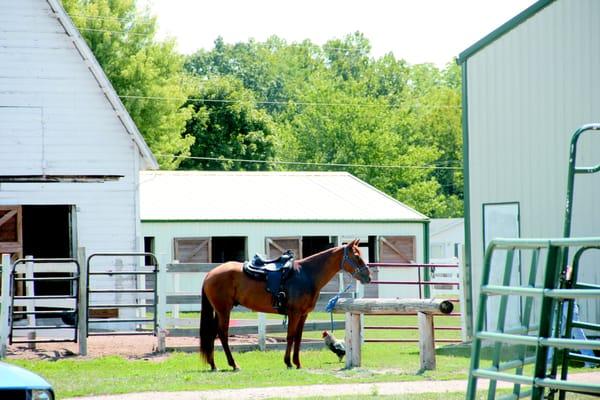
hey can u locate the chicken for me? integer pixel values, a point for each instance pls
(335, 345)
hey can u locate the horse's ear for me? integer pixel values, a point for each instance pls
(355, 242)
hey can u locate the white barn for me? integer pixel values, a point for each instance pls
(70, 154)
(212, 217)
(527, 87)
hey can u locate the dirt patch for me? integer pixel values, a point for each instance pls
(133, 347)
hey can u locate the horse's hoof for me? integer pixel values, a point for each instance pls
(236, 369)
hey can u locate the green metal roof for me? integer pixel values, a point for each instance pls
(504, 28)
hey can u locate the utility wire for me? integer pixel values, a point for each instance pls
(291, 102)
(312, 163)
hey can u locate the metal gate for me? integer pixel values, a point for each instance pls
(548, 343)
(530, 342)
(136, 297)
(60, 311)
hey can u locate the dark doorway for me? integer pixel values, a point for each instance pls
(228, 249)
(47, 234)
(315, 244)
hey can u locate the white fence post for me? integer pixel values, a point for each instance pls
(262, 331)
(4, 306)
(161, 302)
(83, 304)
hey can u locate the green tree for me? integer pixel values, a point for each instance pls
(228, 125)
(148, 75)
(336, 104)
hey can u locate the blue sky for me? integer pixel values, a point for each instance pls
(415, 30)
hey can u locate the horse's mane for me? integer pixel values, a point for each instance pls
(315, 258)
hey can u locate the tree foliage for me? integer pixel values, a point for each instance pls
(140, 69)
(395, 125)
(227, 125)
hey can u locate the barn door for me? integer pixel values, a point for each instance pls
(398, 249)
(11, 232)
(277, 246)
(192, 250)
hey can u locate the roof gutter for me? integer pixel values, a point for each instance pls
(503, 29)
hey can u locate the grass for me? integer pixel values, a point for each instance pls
(180, 371)
(381, 363)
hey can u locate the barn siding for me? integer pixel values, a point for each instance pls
(528, 91)
(55, 118)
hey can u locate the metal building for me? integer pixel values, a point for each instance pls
(527, 87)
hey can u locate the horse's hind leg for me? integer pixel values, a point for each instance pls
(293, 321)
(298, 340)
(223, 332)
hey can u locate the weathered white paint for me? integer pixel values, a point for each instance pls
(60, 115)
(528, 91)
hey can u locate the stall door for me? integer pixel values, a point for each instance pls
(276, 246)
(11, 233)
(192, 250)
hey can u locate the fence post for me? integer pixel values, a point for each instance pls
(426, 342)
(353, 340)
(262, 331)
(83, 303)
(161, 302)
(4, 306)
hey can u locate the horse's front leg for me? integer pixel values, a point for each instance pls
(298, 340)
(293, 322)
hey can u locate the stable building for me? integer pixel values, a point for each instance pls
(213, 217)
(70, 154)
(527, 87)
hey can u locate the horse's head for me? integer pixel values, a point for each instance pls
(354, 264)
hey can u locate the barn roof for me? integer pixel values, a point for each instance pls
(104, 83)
(503, 29)
(266, 196)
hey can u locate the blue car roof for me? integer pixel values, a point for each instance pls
(12, 376)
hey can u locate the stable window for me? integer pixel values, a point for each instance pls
(210, 249)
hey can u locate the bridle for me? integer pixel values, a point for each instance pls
(355, 267)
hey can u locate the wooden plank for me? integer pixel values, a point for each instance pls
(393, 306)
(191, 267)
(184, 299)
(48, 267)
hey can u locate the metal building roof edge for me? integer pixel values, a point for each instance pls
(503, 29)
(104, 82)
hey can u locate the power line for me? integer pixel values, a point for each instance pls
(108, 31)
(281, 102)
(312, 163)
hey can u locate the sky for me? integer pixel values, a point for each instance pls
(417, 31)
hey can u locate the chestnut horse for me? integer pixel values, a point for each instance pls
(227, 285)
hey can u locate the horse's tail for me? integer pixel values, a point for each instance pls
(208, 328)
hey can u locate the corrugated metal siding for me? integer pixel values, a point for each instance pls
(52, 102)
(527, 93)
